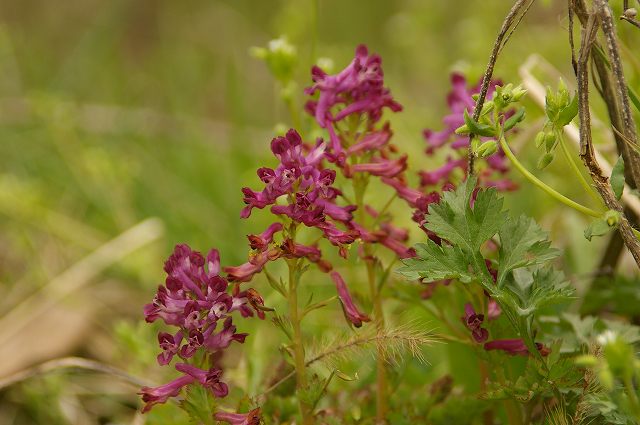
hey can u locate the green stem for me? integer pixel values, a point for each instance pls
(513, 412)
(298, 347)
(633, 397)
(587, 187)
(540, 184)
(382, 406)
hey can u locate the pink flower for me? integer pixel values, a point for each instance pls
(382, 167)
(261, 242)
(493, 310)
(170, 345)
(473, 322)
(158, 395)
(372, 141)
(251, 418)
(210, 379)
(441, 175)
(246, 271)
(350, 310)
(514, 347)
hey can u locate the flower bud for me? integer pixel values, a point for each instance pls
(487, 148)
(549, 140)
(539, 140)
(612, 218)
(545, 160)
(463, 129)
(280, 57)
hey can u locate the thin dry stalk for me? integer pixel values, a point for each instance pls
(77, 276)
(72, 363)
(619, 82)
(519, 8)
(586, 144)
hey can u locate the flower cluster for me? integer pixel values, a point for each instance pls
(307, 187)
(350, 105)
(196, 300)
(357, 89)
(300, 191)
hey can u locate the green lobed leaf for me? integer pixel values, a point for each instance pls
(454, 220)
(478, 128)
(434, 262)
(598, 227)
(522, 244)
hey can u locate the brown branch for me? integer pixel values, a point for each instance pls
(628, 123)
(509, 20)
(586, 144)
(603, 82)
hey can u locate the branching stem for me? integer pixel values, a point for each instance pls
(542, 185)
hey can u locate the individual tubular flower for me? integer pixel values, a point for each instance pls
(158, 395)
(209, 379)
(261, 242)
(246, 271)
(515, 347)
(253, 417)
(473, 322)
(351, 312)
(382, 167)
(194, 299)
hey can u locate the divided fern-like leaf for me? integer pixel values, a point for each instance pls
(522, 243)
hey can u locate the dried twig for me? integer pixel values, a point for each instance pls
(503, 37)
(77, 276)
(586, 145)
(72, 363)
(628, 123)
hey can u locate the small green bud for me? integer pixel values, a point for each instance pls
(280, 56)
(487, 107)
(549, 140)
(539, 140)
(612, 218)
(487, 148)
(545, 160)
(518, 93)
(563, 94)
(463, 129)
(475, 144)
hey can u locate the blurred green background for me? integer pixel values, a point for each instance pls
(113, 113)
